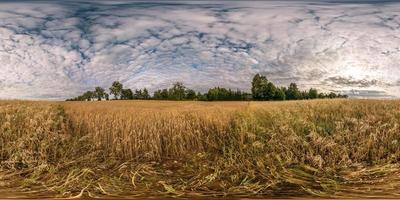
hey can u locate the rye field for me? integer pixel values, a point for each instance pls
(316, 148)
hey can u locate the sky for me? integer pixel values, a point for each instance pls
(59, 49)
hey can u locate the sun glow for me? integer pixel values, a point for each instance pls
(355, 72)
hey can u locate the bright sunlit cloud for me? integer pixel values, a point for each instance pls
(58, 49)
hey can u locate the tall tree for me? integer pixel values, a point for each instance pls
(138, 94)
(312, 93)
(88, 95)
(164, 94)
(116, 89)
(332, 95)
(269, 91)
(258, 87)
(190, 94)
(280, 94)
(145, 94)
(99, 93)
(126, 94)
(177, 92)
(293, 93)
(157, 95)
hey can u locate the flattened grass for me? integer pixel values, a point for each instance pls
(324, 148)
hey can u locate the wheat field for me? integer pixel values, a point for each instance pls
(319, 148)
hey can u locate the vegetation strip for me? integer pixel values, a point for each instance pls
(261, 90)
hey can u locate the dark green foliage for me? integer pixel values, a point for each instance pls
(141, 94)
(177, 92)
(116, 89)
(88, 96)
(145, 94)
(138, 94)
(262, 90)
(126, 94)
(293, 93)
(280, 94)
(190, 94)
(312, 93)
(99, 93)
(201, 97)
(270, 91)
(219, 94)
(259, 86)
(332, 95)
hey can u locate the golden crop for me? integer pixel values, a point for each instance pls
(322, 147)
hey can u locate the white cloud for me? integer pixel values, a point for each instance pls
(58, 50)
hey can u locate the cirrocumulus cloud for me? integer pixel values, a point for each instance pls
(58, 49)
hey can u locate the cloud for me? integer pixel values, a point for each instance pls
(367, 94)
(59, 49)
(343, 81)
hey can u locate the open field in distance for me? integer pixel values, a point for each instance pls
(320, 148)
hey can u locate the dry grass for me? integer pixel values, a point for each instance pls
(323, 148)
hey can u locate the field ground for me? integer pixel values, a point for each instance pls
(321, 148)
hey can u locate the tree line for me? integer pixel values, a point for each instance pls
(262, 90)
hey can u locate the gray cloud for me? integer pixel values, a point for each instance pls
(366, 94)
(59, 49)
(343, 81)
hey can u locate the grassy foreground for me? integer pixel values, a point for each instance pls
(328, 148)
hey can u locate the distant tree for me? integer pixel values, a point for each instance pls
(217, 93)
(312, 93)
(303, 95)
(269, 91)
(116, 89)
(164, 94)
(126, 94)
(138, 94)
(293, 93)
(145, 94)
(157, 95)
(190, 94)
(99, 93)
(280, 94)
(88, 95)
(321, 96)
(201, 97)
(223, 94)
(332, 95)
(261, 89)
(177, 92)
(258, 87)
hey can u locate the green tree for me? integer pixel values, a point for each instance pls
(145, 94)
(116, 89)
(280, 94)
(293, 93)
(88, 95)
(190, 94)
(177, 92)
(164, 94)
(127, 94)
(258, 87)
(269, 91)
(201, 97)
(313, 93)
(157, 95)
(138, 94)
(332, 95)
(99, 93)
